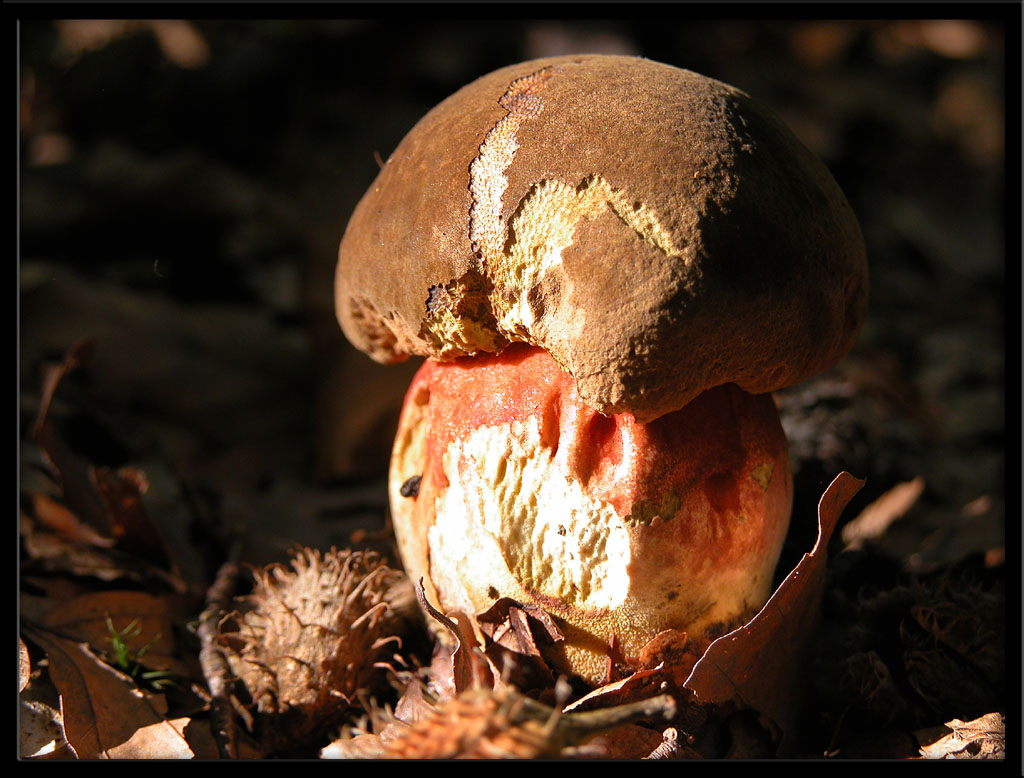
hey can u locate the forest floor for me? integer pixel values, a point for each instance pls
(187, 398)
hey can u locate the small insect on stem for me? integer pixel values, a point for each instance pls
(670, 747)
(411, 486)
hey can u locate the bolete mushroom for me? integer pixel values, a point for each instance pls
(609, 263)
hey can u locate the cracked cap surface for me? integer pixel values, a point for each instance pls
(654, 230)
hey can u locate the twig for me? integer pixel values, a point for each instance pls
(211, 658)
(585, 722)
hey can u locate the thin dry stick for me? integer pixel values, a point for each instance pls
(211, 658)
(587, 722)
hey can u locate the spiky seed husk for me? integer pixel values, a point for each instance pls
(308, 638)
(477, 724)
(493, 724)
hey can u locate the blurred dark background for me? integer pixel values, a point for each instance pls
(184, 186)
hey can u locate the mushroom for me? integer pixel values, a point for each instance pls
(609, 264)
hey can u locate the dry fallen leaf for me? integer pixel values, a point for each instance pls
(41, 732)
(105, 716)
(85, 618)
(24, 665)
(758, 664)
(58, 518)
(513, 630)
(465, 667)
(70, 470)
(98, 525)
(143, 622)
(638, 686)
(982, 738)
(121, 491)
(873, 521)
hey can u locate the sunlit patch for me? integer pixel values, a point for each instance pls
(509, 508)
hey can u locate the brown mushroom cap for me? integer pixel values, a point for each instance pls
(654, 230)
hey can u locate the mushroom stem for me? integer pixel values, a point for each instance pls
(618, 529)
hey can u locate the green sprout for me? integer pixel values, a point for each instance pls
(128, 661)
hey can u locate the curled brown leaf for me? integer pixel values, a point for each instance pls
(758, 664)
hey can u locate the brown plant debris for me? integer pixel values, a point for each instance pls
(982, 738)
(904, 651)
(212, 660)
(756, 665)
(83, 518)
(104, 714)
(306, 643)
(512, 631)
(495, 724)
(873, 521)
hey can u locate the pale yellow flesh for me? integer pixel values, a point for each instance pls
(512, 524)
